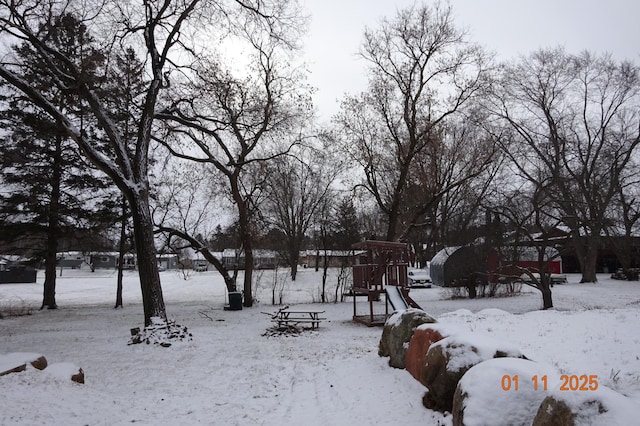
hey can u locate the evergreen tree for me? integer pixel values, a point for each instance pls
(48, 180)
(348, 227)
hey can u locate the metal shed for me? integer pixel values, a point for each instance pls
(469, 266)
(458, 266)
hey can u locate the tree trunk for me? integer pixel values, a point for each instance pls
(393, 210)
(587, 252)
(293, 260)
(248, 272)
(589, 270)
(121, 249)
(547, 302)
(325, 260)
(473, 291)
(49, 296)
(292, 250)
(152, 299)
(53, 230)
(325, 267)
(246, 239)
(392, 225)
(545, 287)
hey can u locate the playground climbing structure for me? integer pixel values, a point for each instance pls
(377, 266)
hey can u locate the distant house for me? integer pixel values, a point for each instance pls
(104, 260)
(130, 261)
(197, 262)
(200, 265)
(262, 259)
(109, 260)
(168, 261)
(96, 260)
(334, 258)
(527, 257)
(72, 259)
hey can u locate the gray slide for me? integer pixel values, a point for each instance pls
(395, 298)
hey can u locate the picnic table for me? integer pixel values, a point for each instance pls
(286, 317)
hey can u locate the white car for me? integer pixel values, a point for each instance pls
(419, 278)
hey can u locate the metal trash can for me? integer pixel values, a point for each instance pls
(235, 301)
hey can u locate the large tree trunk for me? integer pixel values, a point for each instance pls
(545, 289)
(589, 268)
(392, 223)
(246, 239)
(247, 244)
(294, 256)
(49, 295)
(587, 253)
(53, 230)
(121, 249)
(325, 268)
(152, 299)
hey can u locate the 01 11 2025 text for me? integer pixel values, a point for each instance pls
(568, 382)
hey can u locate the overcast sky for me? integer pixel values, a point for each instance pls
(507, 27)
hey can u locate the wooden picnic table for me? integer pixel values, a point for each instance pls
(285, 316)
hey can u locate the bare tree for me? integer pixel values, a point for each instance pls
(625, 214)
(575, 125)
(528, 214)
(298, 184)
(448, 183)
(186, 206)
(236, 122)
(164, 32)
(324, 229)
(126, 167)
(421, 72)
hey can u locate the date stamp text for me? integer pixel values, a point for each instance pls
(568, 382)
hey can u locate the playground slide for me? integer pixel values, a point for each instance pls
(395, 298)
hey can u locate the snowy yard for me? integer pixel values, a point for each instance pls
(230, 374)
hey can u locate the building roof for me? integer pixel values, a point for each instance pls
(256, 253)
(372, 244)
(441, 257)
(332, 253)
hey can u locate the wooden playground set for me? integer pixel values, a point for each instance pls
(380, 268)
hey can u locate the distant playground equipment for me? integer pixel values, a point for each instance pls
(380, 270)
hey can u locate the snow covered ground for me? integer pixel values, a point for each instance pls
(230, 374)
